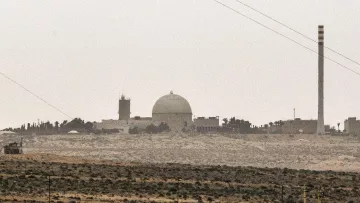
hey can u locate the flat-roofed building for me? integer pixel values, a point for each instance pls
(352, 126)
(300, 126)
(210, 124)
(124, 125)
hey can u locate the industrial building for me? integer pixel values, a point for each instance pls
(312, 126)
(202, 124)
(300, 126)
(174, 110)
(123, 125)
(125, 122)
(352, 126)
(124, 108)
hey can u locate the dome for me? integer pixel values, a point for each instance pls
(172, 104)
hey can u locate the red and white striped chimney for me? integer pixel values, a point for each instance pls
(320, 121)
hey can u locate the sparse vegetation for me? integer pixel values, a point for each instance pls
(155, 183)
(47, 128)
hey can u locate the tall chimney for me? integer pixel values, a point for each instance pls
(320, 121)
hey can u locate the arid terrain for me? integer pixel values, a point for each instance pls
(181, 168)
(297, 152)
(26, 178)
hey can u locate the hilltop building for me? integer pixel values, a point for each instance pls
(174, 110)
(298, 125)
(301, 126)
(352, 126)
(202, 124)
(123, 125)
(124, 108)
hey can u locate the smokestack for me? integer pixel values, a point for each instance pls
(320, 121)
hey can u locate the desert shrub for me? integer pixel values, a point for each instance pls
(152, 129)
(31, 177)
(134, 130)
(173, 190)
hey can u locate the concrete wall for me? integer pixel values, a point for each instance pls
(274, 129)
(294, 126)
(203, 124)
(122, 125)
(352, 126)
(174, 121)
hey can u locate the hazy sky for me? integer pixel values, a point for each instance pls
(80, 55)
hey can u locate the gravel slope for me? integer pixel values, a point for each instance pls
(298, 152)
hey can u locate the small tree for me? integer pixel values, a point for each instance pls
(56, 125)
(281, 123)
(134, 130)
(151, 129)
(225, 122)
(163, 127)
(89, 126)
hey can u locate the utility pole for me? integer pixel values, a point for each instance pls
(294, 114)
(304, 193)
(49, 190)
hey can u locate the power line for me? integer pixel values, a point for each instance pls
(43, 100)
(298, 32)
(236, 11)
(282, 35)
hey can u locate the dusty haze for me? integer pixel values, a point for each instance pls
(79, 55)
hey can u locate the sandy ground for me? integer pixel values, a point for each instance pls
(298, 152)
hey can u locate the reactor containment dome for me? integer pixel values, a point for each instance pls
(174, 110)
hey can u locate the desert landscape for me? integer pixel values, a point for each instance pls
(181, 168)
(339, 153)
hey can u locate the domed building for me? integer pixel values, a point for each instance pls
(174, 110)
